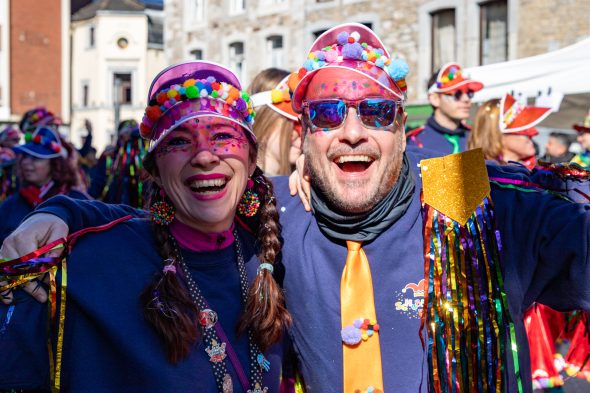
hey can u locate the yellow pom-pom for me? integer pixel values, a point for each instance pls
(276, 96)
(311, 56)
(172, 93)
(365, 336)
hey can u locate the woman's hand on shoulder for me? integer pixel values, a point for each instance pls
(299, 183)
(33, 233)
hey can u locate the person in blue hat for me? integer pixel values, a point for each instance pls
(44, 171)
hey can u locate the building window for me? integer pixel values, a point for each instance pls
(197, 54)
(443, 38)
(123, 91)
(274, 47)
(85, 94)
(236, 59)
(318, 33)
(195, 10)
(237, 6)
(493, 41)
(368, 24)
(91, 38)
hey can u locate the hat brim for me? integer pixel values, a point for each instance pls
(178, 73)
(360, 67)
(580, 128)
(202, 113)
(530, 132)
(465, 84)
(36, 150)
(529, 117)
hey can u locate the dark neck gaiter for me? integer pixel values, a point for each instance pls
(366, 226)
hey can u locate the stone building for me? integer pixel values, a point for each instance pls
(250, 35)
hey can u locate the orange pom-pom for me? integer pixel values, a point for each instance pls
(350, 40)
(301, 73)
(189, 82)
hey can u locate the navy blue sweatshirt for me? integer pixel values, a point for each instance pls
(432, 137)
(15, 208)
(545, 253)
(108, 346)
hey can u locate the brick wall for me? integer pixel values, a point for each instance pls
(35, 55)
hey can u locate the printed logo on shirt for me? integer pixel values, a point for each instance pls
(410, 300)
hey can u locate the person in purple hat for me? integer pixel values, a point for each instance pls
(185, 301)
(44, 171)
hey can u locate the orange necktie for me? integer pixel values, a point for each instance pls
(361, 361)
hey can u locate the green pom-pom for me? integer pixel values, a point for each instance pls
(192, 92)
(364, 45)
(245, 96)
(214, 94)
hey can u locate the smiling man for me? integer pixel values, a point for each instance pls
(449, 93)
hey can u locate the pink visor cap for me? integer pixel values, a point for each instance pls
(191, 90)
(355, 47)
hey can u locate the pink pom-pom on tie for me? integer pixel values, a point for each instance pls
(169, 268)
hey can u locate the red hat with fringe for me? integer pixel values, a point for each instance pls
(519, 119)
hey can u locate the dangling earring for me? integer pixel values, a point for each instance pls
(250, 202)
(162, 212)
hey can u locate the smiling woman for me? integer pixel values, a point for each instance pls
(210, 314)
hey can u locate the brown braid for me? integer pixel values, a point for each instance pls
(265, 313)
(168, 306)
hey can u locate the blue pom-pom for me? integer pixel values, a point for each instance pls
(352, 51)
(315, 65)
(182, 91)
(210, 79)
(380, 51)
(321, 64)
(208, 87)
(308, 65)
(172, 101)
(321, 55)
(365, 56)
(200, 85)
(351, 335)
(379, 63)
(398, 69)
(342, 37)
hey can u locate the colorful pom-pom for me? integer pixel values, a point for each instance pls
(355, 35)
(342, 37)
(352, 51)
(276, 96)
(351, 335)
(161, 98)
(398, 69)
(192, 92)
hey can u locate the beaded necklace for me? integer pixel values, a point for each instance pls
(218, 346)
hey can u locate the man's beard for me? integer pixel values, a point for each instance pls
(375, 188)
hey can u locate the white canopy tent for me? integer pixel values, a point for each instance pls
(565, 71)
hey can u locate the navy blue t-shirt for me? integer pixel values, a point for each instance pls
(108, 345)
(545, 254)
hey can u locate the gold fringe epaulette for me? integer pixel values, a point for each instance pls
(456, 184)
